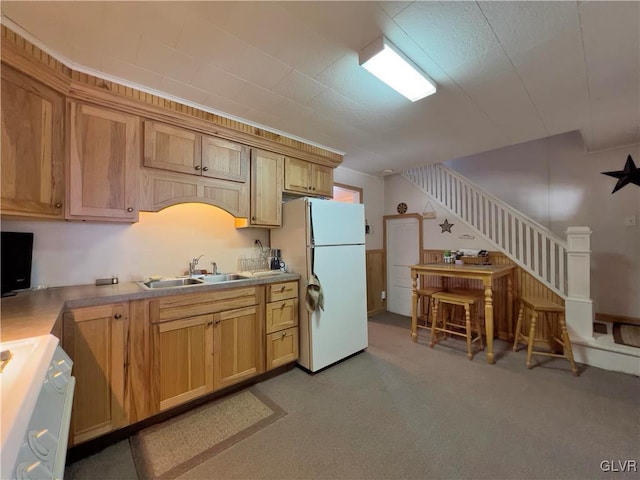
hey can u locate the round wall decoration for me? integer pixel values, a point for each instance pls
(402, 208)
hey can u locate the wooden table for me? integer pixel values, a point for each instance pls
(486, 273)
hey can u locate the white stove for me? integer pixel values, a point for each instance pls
(36, 389)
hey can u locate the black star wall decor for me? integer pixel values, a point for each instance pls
(446, 226)
(630, 174)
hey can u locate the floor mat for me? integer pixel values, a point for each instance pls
(168, 449)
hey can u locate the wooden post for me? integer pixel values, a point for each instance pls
(579, 305)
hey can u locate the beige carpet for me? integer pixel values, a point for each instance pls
(625, 334)
(171, 448)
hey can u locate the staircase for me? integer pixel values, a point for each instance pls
(530, 245)
(561, 265)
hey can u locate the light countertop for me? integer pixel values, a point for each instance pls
(35, 313)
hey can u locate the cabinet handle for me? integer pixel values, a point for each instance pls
(313, 188)
(58, 205)
(210, 323)
(284, 334)
(283, 305)
(283, 289)
(205, 169)
(217, 322)
(253, 218)
(117, 316)
(197, 167)
(129, 209)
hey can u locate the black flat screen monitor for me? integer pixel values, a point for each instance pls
(17, 250)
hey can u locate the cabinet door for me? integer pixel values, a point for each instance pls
(94, 338)
(282, 348)
(182, 361)
(171, 148)
(296, 175)
(225, 160)
(281, 315)
(238, 347)
(32, 147)
(103, 164)
(321, 180)
(266, 188)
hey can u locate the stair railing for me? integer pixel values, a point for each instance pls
(530, 245)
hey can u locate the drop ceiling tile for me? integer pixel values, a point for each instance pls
(183, 91)
(217, 81)
(449, 32)
(494, 85)
(257, 98)
(334, 105)
(348, 78)
(211, 44)
(298, 87)
(155, 21)
(350, 24)
(521, 26)
(130, 72)
(291, 111)
(166, 61)
(394, 8)
(259, 68)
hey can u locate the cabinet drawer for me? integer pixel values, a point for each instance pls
(282, 291)
(189, 305)
(281, 315)
(282, 347)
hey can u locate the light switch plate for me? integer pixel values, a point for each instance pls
(629, 220)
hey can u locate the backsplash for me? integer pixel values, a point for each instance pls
(162, 243)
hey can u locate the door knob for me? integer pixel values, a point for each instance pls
(129, 209)
(117, 316)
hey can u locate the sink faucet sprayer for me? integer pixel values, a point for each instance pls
(193, 263)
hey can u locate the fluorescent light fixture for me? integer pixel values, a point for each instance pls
(385, 61)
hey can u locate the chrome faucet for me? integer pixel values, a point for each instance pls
(192, 265)
(214, 268)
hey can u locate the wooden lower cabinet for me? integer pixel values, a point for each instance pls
(95, 339)
(281, 320)
(238, 351)
(282, 347)
(182, 360)
(204, 342)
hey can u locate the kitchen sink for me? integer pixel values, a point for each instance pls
(172, 282)
(222, 277)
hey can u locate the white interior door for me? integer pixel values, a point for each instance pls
(403, 238)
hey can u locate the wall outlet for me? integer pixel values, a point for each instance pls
(630, 221)
(383, 295)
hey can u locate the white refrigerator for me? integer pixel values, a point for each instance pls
(327, 238)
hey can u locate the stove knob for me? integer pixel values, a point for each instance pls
(57, 380)
(33, 471)
(42, 443)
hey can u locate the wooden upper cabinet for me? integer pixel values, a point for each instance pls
(185, 151)
(32, 182)
(104, 160)
(266, 188)
(307, 178)
(224, 160)
(171, 148)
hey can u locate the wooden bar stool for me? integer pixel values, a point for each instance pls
(425, 306)
(542, 306)
(470, 302)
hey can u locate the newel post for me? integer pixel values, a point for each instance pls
(578, 305)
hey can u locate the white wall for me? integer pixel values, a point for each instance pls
(162, 243)
(373, 196)
(400, 190)
(559, 185)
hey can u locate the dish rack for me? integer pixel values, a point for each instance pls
(253, 265)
